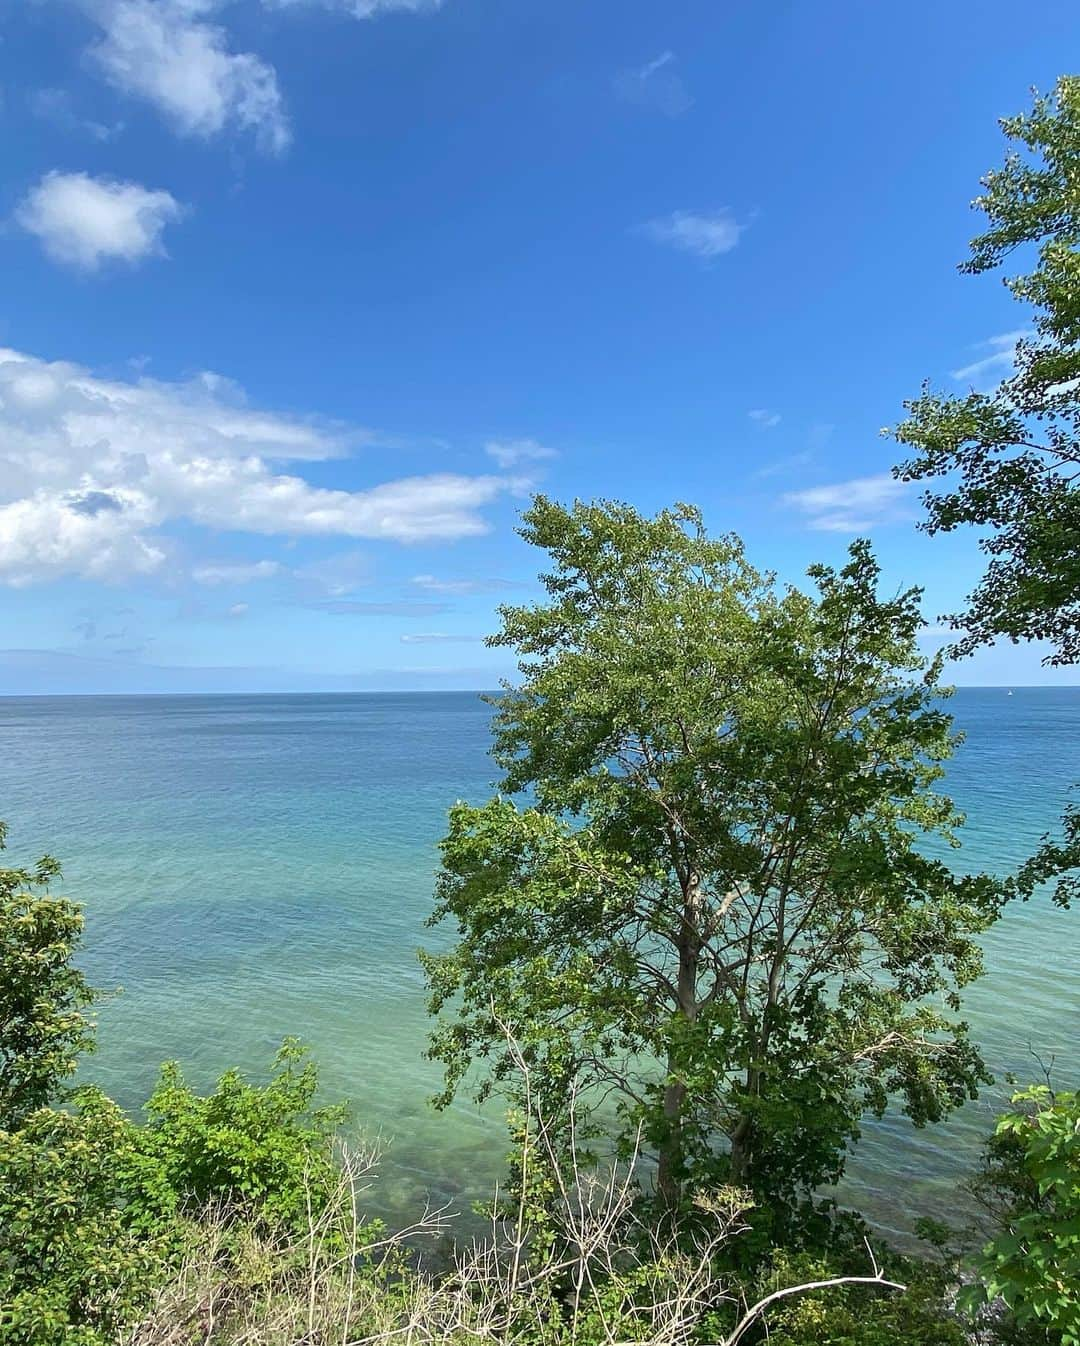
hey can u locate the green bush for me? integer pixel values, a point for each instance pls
(96, 1211)
(859, 1315)
(88, 1225)
(42, 1027)
(263, 1152)
(1033, 1176)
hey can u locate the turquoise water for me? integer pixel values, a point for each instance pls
(257, 866)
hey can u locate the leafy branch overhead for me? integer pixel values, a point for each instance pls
(1008, 461)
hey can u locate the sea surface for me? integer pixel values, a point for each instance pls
(256, 866)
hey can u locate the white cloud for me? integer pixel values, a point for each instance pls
(173, 54)
(708, 234)
(235, 573)
(93, 472)
(45, 536)
(767, 420)
(654, 85)
(84, 221)
(511, 452)
(852, 506)
(238, 610)
(169, 53)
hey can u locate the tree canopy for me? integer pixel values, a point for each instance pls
(707, 901)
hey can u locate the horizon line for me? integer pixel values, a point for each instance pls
(443, 691)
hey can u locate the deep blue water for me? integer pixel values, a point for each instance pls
(253, 866)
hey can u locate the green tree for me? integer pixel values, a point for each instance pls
(1008, 461)
(709, 903)
(43, 1026)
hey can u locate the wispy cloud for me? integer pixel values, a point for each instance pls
(337, 575)
(62, 671)
(433, 584)
(83, 221)
(998, 362)
(236, 572)
(169, 53)
(342, 607)
(817, 437)
(440, 638)
(788, 464)
(56, 106)
(939, 632)
(854, 506)
(511, 452)
(764, 419)
(707, 234)
(360, 9)
(820, 434)
(654, 85)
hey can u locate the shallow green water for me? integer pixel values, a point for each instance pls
(256, 866)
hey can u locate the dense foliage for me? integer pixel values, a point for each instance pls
(262, 1152)
(1033, 1179)
(43, 1027)
(845, 1315)
(87, 1225)
(709, 903)
(97, 1210)
(1008, 461)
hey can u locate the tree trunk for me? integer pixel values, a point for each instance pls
(688, 944)
(741, 1142)
(670, 1157)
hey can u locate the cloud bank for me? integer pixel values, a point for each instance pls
(96, 475)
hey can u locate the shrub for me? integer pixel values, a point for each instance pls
(87, 1225)
(260, 1152)
(42, 997)
(855, 1315)
(1033, 1173)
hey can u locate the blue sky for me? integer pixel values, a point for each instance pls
(303, 297)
